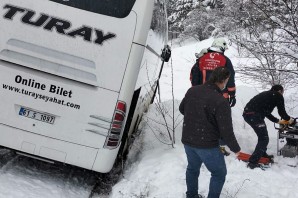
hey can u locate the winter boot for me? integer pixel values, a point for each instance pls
(270, 157)
(253, 165)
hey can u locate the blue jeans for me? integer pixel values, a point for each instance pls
(214, 162)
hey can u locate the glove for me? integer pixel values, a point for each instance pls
(289, 122)
(284, 122)
(232, 100)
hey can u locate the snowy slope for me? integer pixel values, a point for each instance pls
(157, 170)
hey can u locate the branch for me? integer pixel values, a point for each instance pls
(280, 70)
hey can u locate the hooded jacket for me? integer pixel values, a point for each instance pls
(207, 118)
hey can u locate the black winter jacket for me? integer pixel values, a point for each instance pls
(207, 118)
(265, 102)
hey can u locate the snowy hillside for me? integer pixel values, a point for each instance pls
(156, 170)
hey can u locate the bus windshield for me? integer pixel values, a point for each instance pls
(114, 8)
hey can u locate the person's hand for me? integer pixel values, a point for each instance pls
(284, 122)
(232, 100)
(238, 153)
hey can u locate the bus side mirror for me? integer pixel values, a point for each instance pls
(166, 53)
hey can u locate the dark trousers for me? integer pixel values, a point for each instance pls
(256, 121)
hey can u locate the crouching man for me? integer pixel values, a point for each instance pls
(254, 114)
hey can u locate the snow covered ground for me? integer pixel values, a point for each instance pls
(22, 177)
(155, 169)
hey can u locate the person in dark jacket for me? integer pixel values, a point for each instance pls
(256, 110)
(207, 118)
(207, 61)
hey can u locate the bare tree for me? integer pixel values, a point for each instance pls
(178, 11)
(165, 121)
(281, 15)
(265, 38)
(266, 65)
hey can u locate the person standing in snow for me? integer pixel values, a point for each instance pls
(198, 56)
(207, 118)
(208, 60)
(254, 113)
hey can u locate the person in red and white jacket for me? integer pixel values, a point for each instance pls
(207, 62)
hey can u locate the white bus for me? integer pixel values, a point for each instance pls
(77, 75)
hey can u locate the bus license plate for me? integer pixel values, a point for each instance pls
(37, 115)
